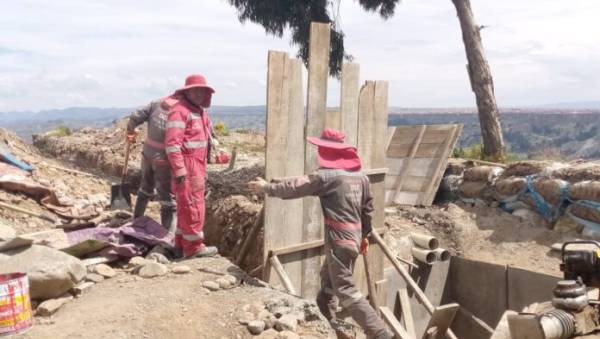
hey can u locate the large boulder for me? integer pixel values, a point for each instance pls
(51, 272)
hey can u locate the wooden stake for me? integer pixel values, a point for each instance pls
(282, 275)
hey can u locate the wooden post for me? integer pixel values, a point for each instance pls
(316, 105)
(370, 284)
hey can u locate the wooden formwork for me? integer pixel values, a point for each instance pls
(294, 229)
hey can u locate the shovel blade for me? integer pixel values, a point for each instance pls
(120, 197)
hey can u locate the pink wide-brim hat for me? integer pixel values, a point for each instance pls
(334, 153)
(195, 80)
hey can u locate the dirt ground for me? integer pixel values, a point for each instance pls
(172, 306)
(483, 233)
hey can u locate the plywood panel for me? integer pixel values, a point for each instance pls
(318, 72)
(414, 152)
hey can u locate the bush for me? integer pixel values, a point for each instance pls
(476, 152)
(60, 131)
(221, 129)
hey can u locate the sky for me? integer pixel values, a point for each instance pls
(124, 53)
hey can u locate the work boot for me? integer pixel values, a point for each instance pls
(140, 205)
(168, 218)
(205, 252)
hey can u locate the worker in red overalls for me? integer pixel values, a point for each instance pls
(187, 138)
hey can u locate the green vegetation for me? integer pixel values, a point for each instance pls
(221, 129)
(476, 152)
(60, 131)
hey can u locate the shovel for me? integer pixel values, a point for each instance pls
(120, 194)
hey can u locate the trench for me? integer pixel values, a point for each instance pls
(483, 290)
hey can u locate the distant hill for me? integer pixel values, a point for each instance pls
(566, 131)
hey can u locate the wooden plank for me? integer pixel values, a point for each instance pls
(390, 319)
(375, 171)
(413, 150)
(276, 141)
(407, 316)
(419, 294)
(298, 247)
(349, 101)
(294, 167)
(370, 283)
(381, 291)
(333, 119)
(441, 166)
(316, 105)
(424, 151)
(412, 183)
(365, 123)
(440, 321)
(437, 136)
(276, 264)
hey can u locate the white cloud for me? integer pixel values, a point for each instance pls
(64, 53)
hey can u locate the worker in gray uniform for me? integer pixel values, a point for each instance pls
(156, 172)
(347, 206)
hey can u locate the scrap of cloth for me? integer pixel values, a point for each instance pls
(15, 180)
(132, 239)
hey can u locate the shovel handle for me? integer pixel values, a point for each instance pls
(125, 167)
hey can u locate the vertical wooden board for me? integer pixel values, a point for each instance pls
(333, 119)
(365, 123)
(349, 101)
(448, 146)
(277, 119)
(316, 105)
(399, 184)
(365, 146)
(379, 142)
(294, 160)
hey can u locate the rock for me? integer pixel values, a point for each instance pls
(288, 335)
(51, 272)
(211, 285)
(288, 322)
(137, 261)
(269, 334)
(49, 307)
(233, 280)
(105, 270)
(158, 257)
(6, 232)
(223, 283)
(94, 277)
(256, 327)
(82, 287)
(267, 317)
(245, 318)
(182, 269)
(280, 311)
(152, 269)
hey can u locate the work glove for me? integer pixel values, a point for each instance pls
(130, 136)
(258, 185)
(364, 245)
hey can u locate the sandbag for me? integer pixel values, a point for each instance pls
(473, 189)
(566, 224)
(585, 190)
(525, 168)
(509, 187)
(585, 213)
(482, 173)
(579, 172)
(552, 190)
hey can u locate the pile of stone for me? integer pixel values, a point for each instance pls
(278, 318)
(564, 196)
